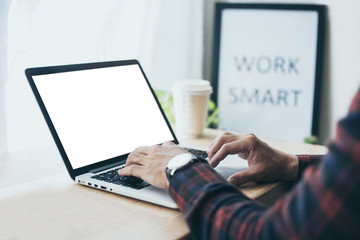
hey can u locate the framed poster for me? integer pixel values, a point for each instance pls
(267, 68)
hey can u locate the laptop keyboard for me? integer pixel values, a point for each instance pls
(197, 152)
(128, 181)
(134, 182)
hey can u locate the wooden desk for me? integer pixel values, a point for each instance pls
(46, 204)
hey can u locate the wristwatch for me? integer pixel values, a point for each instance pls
(180, 161)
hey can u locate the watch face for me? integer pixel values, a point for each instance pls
(179, 161)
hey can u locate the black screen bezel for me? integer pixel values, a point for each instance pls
(30, 72)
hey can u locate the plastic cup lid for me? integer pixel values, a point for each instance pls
(193, 86)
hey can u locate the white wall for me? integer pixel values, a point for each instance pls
(43, 33)
(341, 77)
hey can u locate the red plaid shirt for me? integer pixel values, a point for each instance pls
(325, 203)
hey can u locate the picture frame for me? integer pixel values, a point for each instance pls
(267, 68)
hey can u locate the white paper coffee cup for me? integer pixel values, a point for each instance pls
(191, 99)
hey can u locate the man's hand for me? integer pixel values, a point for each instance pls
(149, 163)
(266, 164)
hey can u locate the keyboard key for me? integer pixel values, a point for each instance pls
(127, 181)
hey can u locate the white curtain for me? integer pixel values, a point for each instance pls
(4, 10)
(165, 35)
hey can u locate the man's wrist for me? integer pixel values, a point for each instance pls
(292, 168)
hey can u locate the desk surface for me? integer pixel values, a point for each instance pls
(46, 204)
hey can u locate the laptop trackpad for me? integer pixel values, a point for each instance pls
(230, 165)
(227, 172)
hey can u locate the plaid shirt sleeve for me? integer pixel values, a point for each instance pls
(323, 205)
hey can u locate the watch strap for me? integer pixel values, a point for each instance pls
(170, 174)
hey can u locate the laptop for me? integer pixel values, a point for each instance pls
(97, 114)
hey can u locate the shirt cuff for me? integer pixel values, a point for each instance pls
(194, 182)
(305, 161)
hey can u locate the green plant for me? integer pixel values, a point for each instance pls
(213, 119)
(166, 101)
(311, 140)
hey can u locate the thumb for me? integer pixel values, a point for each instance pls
(244, 176)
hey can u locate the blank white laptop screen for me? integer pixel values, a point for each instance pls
(102, 113)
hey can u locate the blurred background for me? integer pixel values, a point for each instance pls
(172, 39)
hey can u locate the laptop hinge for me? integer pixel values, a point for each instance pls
(96, 170)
